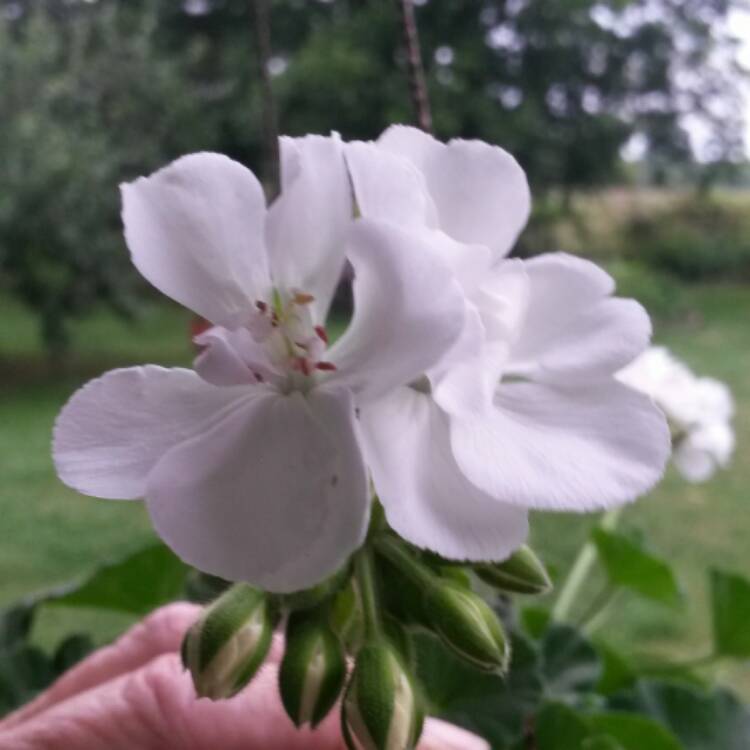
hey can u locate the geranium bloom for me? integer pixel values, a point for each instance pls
(525, 411)
(250, 466)
(699, 409)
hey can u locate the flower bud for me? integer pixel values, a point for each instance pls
(467, 626)
(522, 573)
(312, 671)
(381, 708)
(225, 647)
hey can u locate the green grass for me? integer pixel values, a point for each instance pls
(50, 534)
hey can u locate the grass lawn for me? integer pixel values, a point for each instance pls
(50, 534)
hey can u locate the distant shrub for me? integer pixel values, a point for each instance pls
(695, 239)
(662, 295)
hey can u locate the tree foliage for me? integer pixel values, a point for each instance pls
(96, 92)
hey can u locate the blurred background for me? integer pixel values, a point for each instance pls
(629, 117)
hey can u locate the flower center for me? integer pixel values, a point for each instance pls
(285, 327)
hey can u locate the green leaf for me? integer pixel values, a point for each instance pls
(137, 584)
(629, 565)
(489, 705)
(730, 604)
(634, 732)
(616, 674)
(601, 742)
(535, 620)
(71, 650)
(701, 719)
(24, 671)
(559, 727)
(15, 624)
(570, 664)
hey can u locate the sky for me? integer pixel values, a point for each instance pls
(739, 23)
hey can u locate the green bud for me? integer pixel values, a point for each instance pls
(225, 647)
(522, 573)
(467, 626)
(312, 671)
(381, 709)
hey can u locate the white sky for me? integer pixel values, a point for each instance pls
(739, 24)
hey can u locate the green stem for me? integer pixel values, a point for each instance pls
(581, 569)
(364, 571)
(598, 614)
(391, 549)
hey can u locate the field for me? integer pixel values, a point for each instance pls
(49, 534)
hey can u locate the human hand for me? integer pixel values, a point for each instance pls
(135, 694)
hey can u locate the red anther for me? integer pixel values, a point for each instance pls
(322, 335)
(262, 306)
(328, 366)
(300, 298)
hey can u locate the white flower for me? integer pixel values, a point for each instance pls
(525, 411)
(250, 467)
(700, 410)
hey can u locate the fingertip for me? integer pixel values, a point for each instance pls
(440, 735)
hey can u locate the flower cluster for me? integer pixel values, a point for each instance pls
(467, 389)
(699, 410)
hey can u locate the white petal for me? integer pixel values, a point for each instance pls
(195, 231)
(426, 497)
(307, 223)
(693, 462)
(414, 144)
(572, 327)
(231, 357)
(502, 299)
(465, 379)
(276, 494)
(115, 429)
(469, 264)
(703, 450)
(558, 448)
(389, 187)
(480, 192)
(408, 310)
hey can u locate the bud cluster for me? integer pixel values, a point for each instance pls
(367, 611)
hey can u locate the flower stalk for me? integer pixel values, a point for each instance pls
(364, 571)
(581, 569)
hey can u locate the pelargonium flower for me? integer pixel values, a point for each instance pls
(250, 465)
(699, 410)
(525, 411)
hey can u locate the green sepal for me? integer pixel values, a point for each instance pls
(309, 639)
(224, 617)
(218, 669)
(381, 691)
(468, 626)
(522, 573)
